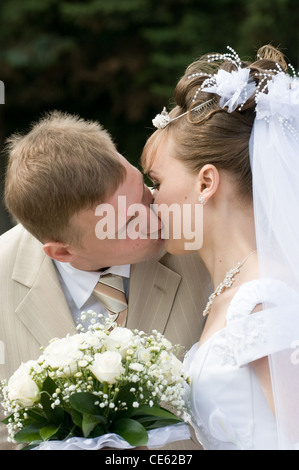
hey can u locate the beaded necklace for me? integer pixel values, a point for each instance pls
(225, 284)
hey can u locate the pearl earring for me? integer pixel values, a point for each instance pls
(202, 200)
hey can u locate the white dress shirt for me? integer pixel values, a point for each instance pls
(78, 287)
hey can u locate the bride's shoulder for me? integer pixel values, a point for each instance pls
(257, 292)
(268, 289)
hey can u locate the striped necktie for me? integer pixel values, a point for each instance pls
(110, 291)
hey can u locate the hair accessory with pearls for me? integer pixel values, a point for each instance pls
(162, 120)
(234, 88)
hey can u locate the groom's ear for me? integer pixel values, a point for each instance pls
(58, 251)
(208, 181)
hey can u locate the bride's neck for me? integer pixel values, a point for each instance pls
(229, 242)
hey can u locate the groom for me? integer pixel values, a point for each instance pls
(50, 263)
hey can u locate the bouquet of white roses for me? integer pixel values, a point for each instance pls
(102, 381)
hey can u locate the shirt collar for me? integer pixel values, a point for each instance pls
(81, 284)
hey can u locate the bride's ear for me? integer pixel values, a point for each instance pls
(58, 251)
(208, 182)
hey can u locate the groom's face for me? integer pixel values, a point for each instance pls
(124, 230)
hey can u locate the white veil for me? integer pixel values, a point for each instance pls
(274, 154)
(274, 158)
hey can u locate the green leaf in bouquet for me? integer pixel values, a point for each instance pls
(48, 431)
(29, 433)
(84, 402)
(160, 423)
(89, 423)
(54, 415)
(99, 430)
(124, 396)
(76, 418)
(36, 417)
(32, 445)
(154, 417)
(8, 419)
(156, 412)
(49, 386)
(132, 431)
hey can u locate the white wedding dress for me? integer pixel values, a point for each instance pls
(228, 408)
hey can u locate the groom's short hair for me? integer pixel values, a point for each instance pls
(63, 165)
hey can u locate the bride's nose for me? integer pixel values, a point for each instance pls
(147, 196)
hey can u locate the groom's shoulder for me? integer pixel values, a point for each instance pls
(11, 240)
(11, 237)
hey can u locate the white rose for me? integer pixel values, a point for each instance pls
(170, 364)
(119, 340)
(176, 366)
(64, 354)
(107, 366)
(21, 386)
(144, 355)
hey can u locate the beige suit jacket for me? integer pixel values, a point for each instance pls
(167, 295)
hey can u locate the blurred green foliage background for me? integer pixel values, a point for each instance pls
(117, 61)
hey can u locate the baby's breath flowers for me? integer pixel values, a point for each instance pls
(104, 379)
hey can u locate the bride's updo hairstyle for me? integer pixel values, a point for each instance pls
(212, 135)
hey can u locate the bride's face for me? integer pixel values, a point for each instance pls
(176, 200)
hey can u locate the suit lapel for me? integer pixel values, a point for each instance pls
(153, 288)
(43, 310)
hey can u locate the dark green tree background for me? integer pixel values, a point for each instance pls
(117, 61)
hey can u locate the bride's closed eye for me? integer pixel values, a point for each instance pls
(156, 185)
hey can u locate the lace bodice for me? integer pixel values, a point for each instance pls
(227, 404)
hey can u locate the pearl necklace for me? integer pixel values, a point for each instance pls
(225, 284)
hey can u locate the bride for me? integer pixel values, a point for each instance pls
(231, 144)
